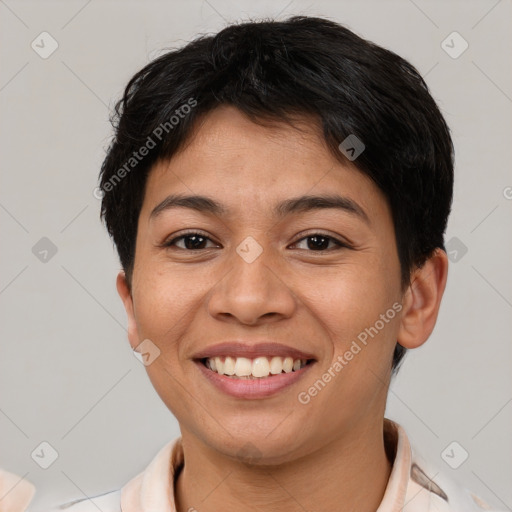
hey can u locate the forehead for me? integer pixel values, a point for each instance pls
(252, 167)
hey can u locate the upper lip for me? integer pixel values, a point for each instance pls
(239, 349)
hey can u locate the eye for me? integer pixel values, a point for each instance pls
(319, 242)
(196, 241)
(192, 240)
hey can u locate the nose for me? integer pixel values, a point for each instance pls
(252, 292)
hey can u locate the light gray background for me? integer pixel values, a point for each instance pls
(67, 374)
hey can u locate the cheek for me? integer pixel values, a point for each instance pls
(351, 299)
(164, 301)
(356, 311)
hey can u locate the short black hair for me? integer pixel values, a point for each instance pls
(281, 70)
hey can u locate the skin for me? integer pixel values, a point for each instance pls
(325, 455)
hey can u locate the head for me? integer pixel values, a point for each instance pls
(252, 119)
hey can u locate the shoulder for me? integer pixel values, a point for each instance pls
(107, 502)
(418, 484)
(139, 493)
(16, 492)
(430, 488)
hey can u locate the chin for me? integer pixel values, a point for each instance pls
(259, 449)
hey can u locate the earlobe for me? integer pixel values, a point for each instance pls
(126, 296)
(422, 301)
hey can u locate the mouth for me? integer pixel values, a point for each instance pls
(262, 367)
(256, 378)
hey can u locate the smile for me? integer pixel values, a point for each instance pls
(250, 379)
(257, 368)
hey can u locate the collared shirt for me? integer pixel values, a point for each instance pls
(413, 485)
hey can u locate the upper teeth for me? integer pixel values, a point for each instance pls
(259, 367)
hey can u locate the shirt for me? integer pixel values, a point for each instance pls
(413, 486)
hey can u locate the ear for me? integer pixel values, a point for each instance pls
(126, 296)
(422, 300)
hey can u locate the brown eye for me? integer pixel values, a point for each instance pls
(320, 242)
(191, 241)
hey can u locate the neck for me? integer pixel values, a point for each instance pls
(349, 473)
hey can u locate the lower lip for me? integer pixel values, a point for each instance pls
(253, 388)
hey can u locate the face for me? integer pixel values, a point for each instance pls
(313, 279)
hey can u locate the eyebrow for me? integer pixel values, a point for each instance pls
(301, 204)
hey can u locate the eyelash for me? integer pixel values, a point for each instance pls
(170, 244)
